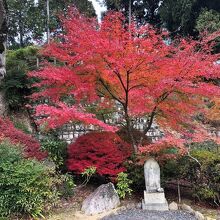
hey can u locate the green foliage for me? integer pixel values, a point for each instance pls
(57, 151)
(28, 20)
(208, 20)
(16, 84)
(206, 177)
(27, 187)
(123, 185)
(138, 9)
(201, 169)
(135, 172)
(87, 174)
(180, 16)
(207, 145)
(66, 185)
(20, 125)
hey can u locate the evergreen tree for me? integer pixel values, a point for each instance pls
(28, 19)
(143, 10)
(180, 16)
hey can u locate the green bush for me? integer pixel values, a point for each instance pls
(135, 171)
(57, 151)
(66, 185)
(206, 177)
(123, 185)
(27, 187)
(201, 170)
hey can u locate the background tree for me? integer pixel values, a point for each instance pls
(180, 16)
(21, 21)
(16, 85)
(28, 19)
(143, 11)
(208, 20)
(146, 77)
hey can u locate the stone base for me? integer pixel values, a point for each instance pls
(154, 201)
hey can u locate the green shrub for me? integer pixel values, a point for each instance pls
(123, 185)
(20, 125)
(201, 170)
(57, 151)
(135, 171)
(206, 177)
(27, 187)
(67, 185)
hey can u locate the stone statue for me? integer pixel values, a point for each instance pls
(152, 176)
(154, 198)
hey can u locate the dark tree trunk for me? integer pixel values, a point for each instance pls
(3, 37)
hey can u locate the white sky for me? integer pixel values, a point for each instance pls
(98, 8)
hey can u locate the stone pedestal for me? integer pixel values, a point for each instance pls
(154, 201)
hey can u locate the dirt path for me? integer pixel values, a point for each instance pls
(77, 215)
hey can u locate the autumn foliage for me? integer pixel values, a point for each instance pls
(103, 150)
(133, 66)
(30, 146)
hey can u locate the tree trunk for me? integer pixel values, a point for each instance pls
(21, 29)
(129, 13)
(48, 21)
(3, 37)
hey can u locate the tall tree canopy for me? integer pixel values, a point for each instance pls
(179, 16)
(143, 10)
(28, 19)
(131, 66)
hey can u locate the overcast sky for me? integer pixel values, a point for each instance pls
(98, 8)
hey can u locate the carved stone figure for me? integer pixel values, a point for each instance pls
(154, 198)
(152, 176)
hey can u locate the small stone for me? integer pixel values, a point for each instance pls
(122, 208)
(138, 205)
(187, 208)
(173, 206)
(130, 206)
(199, 216)
(104, 198)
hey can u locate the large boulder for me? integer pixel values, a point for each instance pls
(103, 199)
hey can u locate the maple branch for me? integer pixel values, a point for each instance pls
(136, 86)
(110, 92)
(139, 64)
(127, 117)
(153, 113)
(116, 73)
(150, 120)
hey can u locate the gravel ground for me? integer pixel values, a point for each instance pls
(137, 214)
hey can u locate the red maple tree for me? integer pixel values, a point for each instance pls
(133, 66)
